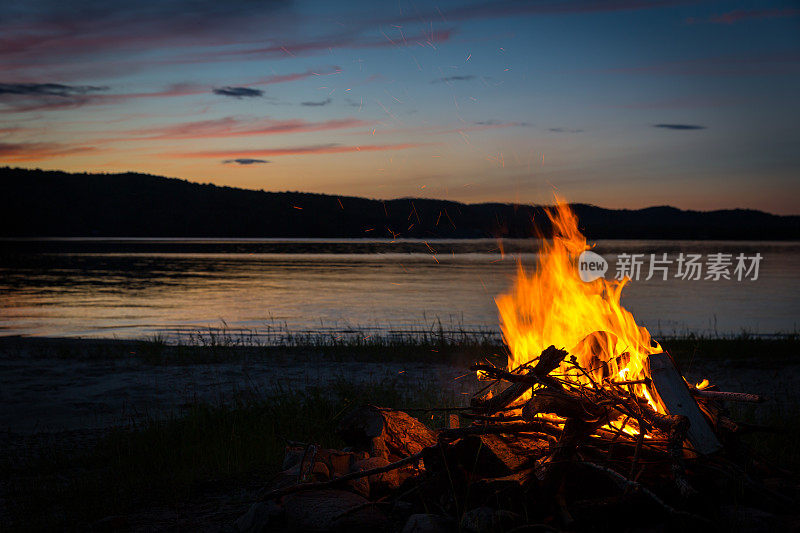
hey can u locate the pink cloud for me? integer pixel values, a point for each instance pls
(295, 150)
(738, 15)
(234, 127)
(36, 151)
(32, 102)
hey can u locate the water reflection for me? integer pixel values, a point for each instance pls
(132, 288)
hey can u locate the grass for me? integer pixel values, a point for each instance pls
(169, 461)
(447, 344)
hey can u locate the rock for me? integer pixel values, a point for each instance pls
(487, 520)
(360, 486)
(384, 482)
(336, 461)
(261, 517)
(506, 520)
(428, 523)
(478, 520)
(331, 510)
(735, 518)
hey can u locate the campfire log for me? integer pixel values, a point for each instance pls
(496, 455)
(676, 397)
(728, 396)
(385, 432)
(521, 380)
(561, 403)
(501, 400)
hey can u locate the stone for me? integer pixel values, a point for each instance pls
(478, 520)
(260, 518)
(487, 520)
(736, 518)
(332, 510)
(428, 523)
(360, 486)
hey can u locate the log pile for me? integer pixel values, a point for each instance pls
(544, 453)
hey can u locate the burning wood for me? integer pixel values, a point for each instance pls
(545, 459)
(589, 422)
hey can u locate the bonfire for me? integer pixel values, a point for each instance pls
(589, 426)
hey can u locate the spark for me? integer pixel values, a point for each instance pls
(392, 96)
(386, 110)
(388, 39)
(468, 58)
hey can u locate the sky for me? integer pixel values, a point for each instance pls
(618, 103)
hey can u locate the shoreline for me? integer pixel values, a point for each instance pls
(55, 384)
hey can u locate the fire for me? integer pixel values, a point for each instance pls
(553, 306)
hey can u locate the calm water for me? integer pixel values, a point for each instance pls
(135, 288)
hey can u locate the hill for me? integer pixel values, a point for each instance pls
(58, 204)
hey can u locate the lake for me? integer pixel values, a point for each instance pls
(138, 288)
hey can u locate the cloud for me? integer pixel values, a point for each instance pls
(738, 65)
(500, 123)
(245, 161)
(483, 125)
(239, 92)
(679, 126)
(448, 79)
(294, 76)
(350, 39)
(330, 148)
(81, 34)
(34, 96)
(48, 89)
(238, 127)
(318, 104)
(36, 151)
(564, 130)
(26, 97)
(46, 33)
(738, 15)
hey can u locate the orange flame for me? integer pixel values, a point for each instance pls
(554, 306)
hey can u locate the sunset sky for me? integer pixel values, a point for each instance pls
(617, 103)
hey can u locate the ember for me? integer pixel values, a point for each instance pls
(589, 423)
